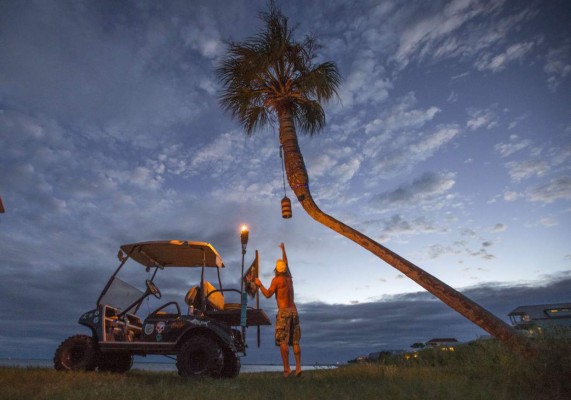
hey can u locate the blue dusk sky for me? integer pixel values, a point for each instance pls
(450, 143)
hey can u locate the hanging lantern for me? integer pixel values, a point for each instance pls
(286, 208)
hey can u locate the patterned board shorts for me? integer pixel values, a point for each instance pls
(287, 327)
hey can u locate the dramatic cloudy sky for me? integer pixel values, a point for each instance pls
(450, 143)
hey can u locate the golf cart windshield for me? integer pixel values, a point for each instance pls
(121, 294)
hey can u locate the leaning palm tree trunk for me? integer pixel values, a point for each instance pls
(298, 181)
(272, 73)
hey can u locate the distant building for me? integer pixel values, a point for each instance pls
(442, 342)
(532, 317)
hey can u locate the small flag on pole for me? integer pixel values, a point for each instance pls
(251, 274)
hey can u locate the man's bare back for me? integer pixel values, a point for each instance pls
(282, 285)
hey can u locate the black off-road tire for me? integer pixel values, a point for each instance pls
(231, 367)
(76, 353)
(115, 362)
(200, 356)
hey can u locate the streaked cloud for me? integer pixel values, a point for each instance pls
(481, 119)
(437, 251)
(217, 156)
(399, 226)
(513, 146)
(432, 34)
(511, 196)
(557, 65)
(422, 192)
(526, 169)
(554, 190)
(498, 62)
(402, 155)
(499, 228)
(402, 116)
(548, 222)
(367, 82)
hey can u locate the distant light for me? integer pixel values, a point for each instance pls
(244, 228)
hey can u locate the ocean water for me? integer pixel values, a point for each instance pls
(158, 366)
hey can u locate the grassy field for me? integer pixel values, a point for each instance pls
(478, 371)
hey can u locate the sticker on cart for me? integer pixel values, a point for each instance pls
(176, 325)
(149, 328)
(160, 327)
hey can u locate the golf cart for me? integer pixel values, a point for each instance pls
(204, 335)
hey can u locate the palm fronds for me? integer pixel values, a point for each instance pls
(271, 72)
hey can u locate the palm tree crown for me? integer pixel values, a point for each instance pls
(272, 73)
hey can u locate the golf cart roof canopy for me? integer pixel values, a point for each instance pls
(174, 253)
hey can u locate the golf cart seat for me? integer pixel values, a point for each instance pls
(214, 299)
(192, 297)
(217, 308)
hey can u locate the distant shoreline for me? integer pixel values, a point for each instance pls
(165, 366)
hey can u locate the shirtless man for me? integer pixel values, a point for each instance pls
(288, 331)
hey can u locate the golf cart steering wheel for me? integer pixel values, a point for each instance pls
(153, 289)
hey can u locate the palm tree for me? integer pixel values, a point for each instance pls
(272, 75)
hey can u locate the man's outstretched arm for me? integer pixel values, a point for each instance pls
(284, 255)
(266, 292)
(284, 258)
